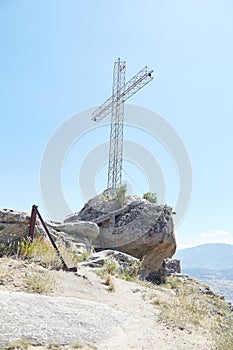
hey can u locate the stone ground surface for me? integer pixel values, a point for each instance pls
(45, 319)
(81, 310)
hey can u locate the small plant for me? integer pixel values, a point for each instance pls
(109, 283)
(150, 196)
(83, 346)
(39, 283)
(54, 346)
(2, 275)
(121, 194)
(39, 250)
(80, 258)
(110, 266)
(156, 301)
(129, 271)
(25, 248)
(20, 344)
(172, 282)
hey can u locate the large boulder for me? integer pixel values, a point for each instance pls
(139, 228)
(80, 231)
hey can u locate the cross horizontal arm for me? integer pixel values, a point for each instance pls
(143, 77)
(103, 110)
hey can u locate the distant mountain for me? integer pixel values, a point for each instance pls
(211, 263)
(215, 256)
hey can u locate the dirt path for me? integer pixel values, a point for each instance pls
(141, 329)
(82, 310)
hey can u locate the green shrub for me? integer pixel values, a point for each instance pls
(110, 266)
(78, 258)
(121, 194)
(172, 282)
(150, 196)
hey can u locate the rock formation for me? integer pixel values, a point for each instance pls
(139, 228)
(168, 267)
(80, 231)
(123, 263)
(14, 225)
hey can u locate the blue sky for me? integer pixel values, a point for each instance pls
(56, 60)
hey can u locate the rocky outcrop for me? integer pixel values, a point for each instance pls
(139, 228)
(168, 268)
(14, 225)
(124, 261)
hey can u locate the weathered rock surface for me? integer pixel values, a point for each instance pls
(98, 259)
(168, 267)
(80, 231)
(15, 225)
(83, 311)
(140, 228)
(124, 263)
(96, 207)
(45, 319)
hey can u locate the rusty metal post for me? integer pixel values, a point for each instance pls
(65, 267)
(35, 212)
(32, 223)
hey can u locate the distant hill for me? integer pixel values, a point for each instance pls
(211, 263)
(215, 256)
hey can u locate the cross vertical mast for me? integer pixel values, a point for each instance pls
(121, 92)
(116, 132)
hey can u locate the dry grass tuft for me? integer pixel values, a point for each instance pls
(24, 344)
(189, 307)
(40, 251)
(38, 282)
(109, 283)
(127, 272)
(110, 266)
(20, 344)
